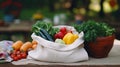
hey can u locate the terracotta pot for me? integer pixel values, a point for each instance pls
(101, 47)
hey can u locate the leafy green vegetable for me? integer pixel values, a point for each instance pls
(93, 29)
(53, 31)
(44, 25)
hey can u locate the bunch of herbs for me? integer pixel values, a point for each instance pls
(93, 29)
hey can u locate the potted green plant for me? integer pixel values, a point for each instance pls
(98, 36)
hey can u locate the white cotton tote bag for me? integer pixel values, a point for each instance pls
(55, 52)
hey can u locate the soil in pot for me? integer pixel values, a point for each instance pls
(101, 47)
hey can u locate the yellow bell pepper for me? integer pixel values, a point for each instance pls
(75, 36)
(70, 38)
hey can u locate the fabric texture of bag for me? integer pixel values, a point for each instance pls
(55, 52)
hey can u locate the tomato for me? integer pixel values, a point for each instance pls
(24, 55)
(19, 56)
(56, 36)
(18, 52)
(14, 52)
(12, 55)
(63, 30)
(59, 35)
(15, 58)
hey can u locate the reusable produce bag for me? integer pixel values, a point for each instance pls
(55, 52)
(5, 49)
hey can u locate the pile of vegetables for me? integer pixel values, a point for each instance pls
(46, 31)
(65, 36)
(50, 33)
(20, 49)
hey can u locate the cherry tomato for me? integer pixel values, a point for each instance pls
(12, 55)
(18, 52)
(15, 58)
(14, 52)
(24, 55)
(19, 56)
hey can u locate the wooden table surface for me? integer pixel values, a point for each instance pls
(34, 65)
